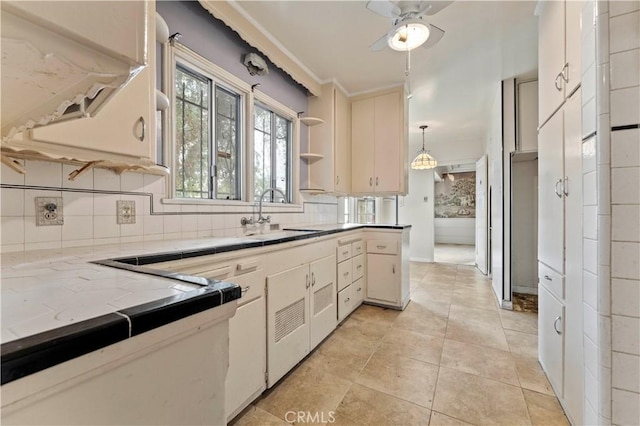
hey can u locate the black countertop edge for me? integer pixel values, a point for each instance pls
(28, 355)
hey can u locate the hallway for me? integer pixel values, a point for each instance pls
(451, 358)
(456, 254)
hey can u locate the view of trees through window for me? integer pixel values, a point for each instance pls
(206, 167)
(272, 149)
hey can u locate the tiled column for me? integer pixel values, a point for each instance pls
(624, 84)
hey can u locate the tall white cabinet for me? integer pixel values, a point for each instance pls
(560, 345)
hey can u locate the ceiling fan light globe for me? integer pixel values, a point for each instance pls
(408, 34)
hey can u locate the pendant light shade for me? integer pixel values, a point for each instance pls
(423, 161)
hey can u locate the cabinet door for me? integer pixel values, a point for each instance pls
(551, 338)
(118, 128)
(551, 198)
(323, 299)
(573, 44)
(383, 274)
(388, 148)
(551, 57)
(342, 159)
(247, 356)
(287, 320)
(362, 152)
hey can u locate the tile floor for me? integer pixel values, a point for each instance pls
(460, 254)
(451, 358)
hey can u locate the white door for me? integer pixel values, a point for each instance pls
(481, 214)
(287, 320)
(323, 299)
(551, 198)
(383, 278)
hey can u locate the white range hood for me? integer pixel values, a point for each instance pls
(64, 59)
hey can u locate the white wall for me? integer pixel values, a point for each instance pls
(524, 227)
(494, 152)
(414, 210)
(455, 231)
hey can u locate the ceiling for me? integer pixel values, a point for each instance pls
(453, 83)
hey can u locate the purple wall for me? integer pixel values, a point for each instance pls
(212, 39)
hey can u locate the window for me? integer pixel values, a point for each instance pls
(207, 138)
(272, 154)
(366, 210)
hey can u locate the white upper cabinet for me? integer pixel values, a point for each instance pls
(378, 144)
(559, 46)
(331, 140)
(63, 60)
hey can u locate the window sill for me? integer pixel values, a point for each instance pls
(232, 203)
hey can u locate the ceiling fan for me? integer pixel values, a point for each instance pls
(409, 29)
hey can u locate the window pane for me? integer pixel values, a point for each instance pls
(282, 150)
(227, 143)
(192, 135)
(262, 151)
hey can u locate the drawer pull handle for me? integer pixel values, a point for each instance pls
(344, 253)
(346, 274)
(215, 273)
(359, 266)
(347, 299)
(247, 265)
(548, 278)
(246, 289)
(359, 289)
(381, 247)
(555, 325)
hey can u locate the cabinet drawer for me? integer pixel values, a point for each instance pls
(358, 267)
(382, 247)
(358, 292)
(551, 280)
(357, 248)
(344, 274)
(345, 302)
(252, 286)
(343, 252)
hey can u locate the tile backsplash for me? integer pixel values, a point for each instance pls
(90, 209)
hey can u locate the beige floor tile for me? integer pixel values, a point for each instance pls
(423, 323)
(532, 375)
(478, 400)
(398, 342)
(475, 316)
(363, 331)
(522, 343)
(487, 302)
(433, 294)
(428, 307)
(492, 337)
(481, 361)
(525, 322)
(545, 410)
(254, 416)
(439, 419)
(375, 314)
(341, 356)
(364, 406)
(437, 282)
(405, 378)
(306, 389)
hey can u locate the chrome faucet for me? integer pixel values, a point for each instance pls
(262, 219)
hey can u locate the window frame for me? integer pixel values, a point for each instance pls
(249, 96)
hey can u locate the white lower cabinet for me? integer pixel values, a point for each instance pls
(301, 312)
(551, 338)
(388, 268)
(351, 279)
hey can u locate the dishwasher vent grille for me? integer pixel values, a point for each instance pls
(288, 319)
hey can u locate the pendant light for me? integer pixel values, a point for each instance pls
(423, 161)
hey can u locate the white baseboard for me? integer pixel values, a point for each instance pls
(421, 259)
(524, 289)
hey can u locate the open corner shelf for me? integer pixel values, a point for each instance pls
(311, 121)
(310, 157)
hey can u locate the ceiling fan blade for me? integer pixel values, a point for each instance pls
(435, 34)
(384, 8)
(380, 44)
(430, 8)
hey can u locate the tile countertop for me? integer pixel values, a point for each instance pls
(51, 295)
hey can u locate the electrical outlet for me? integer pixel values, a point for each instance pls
(49, 211)
(126, 211)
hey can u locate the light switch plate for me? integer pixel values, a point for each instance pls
(126, 212)
(49, 211)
